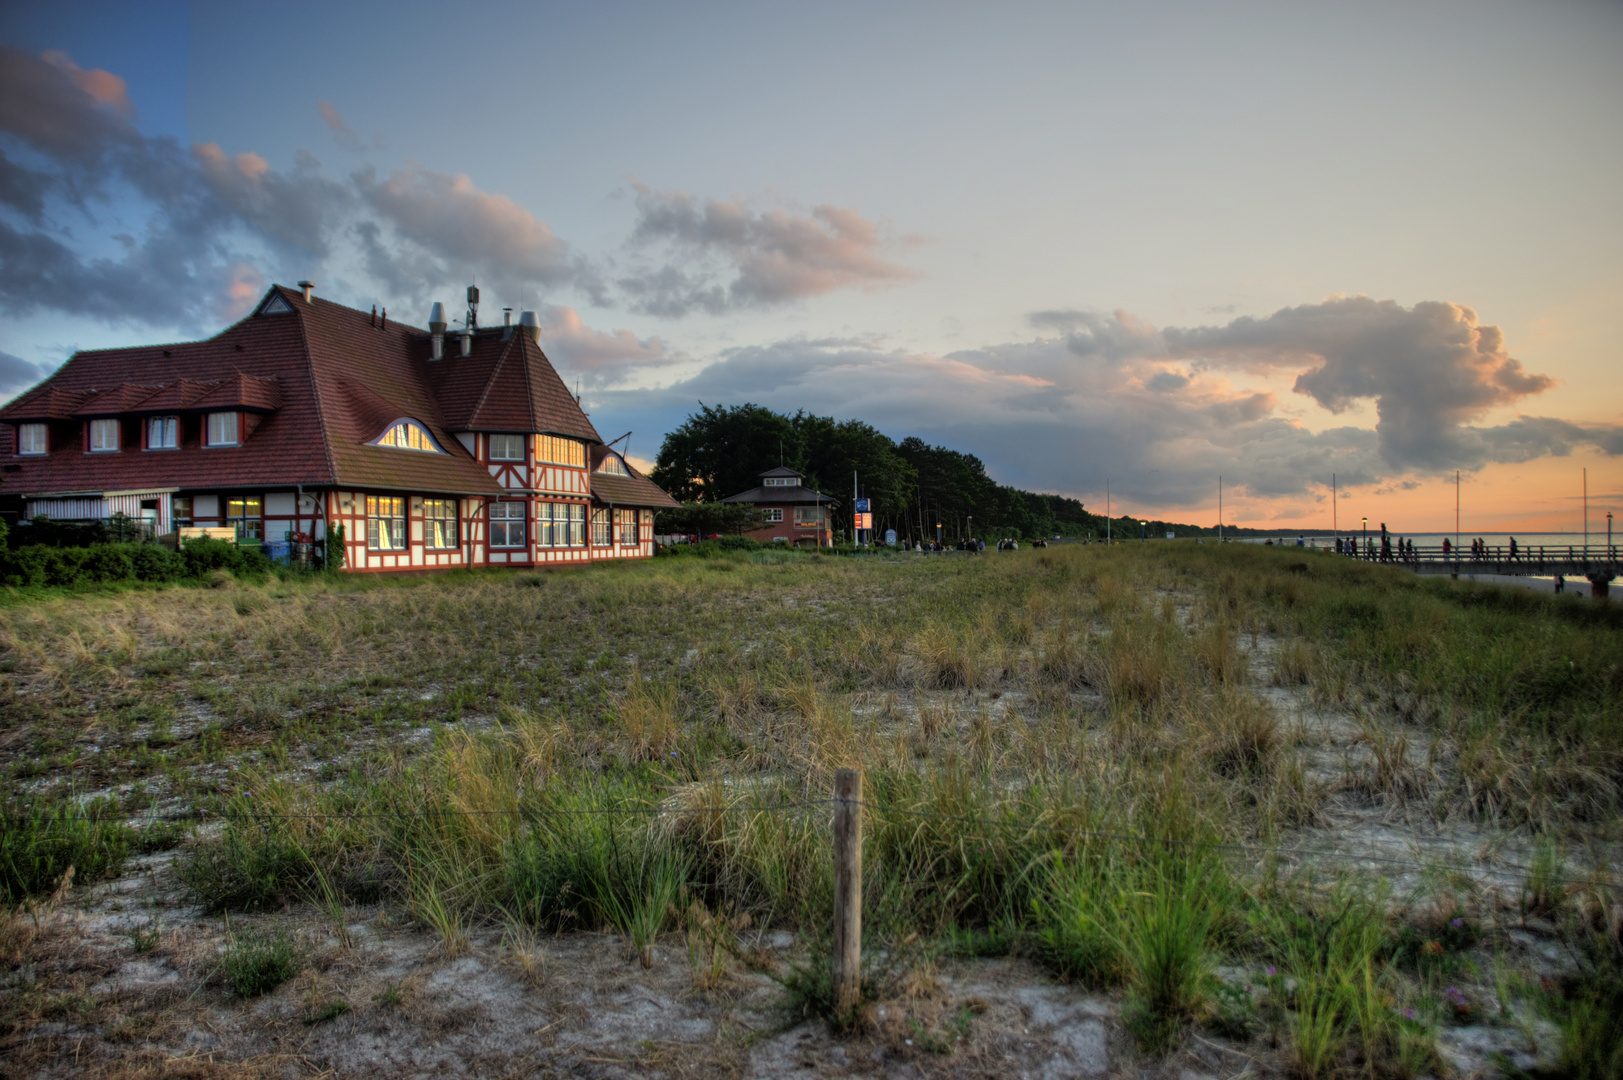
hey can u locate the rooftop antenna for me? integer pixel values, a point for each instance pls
(473, 308)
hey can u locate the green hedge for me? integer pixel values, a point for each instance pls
(39, 565)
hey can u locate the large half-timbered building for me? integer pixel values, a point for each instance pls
(431, 448)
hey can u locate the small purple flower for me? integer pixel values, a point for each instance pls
(1457, 923)
(1270, 970)
(1407, 1014)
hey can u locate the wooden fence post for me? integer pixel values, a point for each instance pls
(847, 889)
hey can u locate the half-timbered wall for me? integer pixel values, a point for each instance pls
(348, 508)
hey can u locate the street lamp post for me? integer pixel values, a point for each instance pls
(1366, 538)
(971, 526)
(1143, 530)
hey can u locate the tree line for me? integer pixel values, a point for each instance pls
(911, 486)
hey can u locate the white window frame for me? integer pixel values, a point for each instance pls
(613, 466)
(381, 509)
(33, 439)
(781, 481)
(772, 514)
(217, 425)
(167, 430)
(99, 430)
(503, 515)
(409, 435)
(435, 517)
(808, 515)
(518, 440)
(602, 528)
(626, 521)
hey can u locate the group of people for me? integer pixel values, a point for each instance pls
(971, 545)
(1392, 548)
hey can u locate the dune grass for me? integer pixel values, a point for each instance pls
(1072, 754)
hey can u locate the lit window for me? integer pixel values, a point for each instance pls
(560, 451)
(439, 523)
(507, 524)
(774, 514)
(163, 433)
(613, 465)
(31, 439)
(626, 524)
(103, 435)
(385, 523)
(600, 528)
(222, 429)
(245, 514)
(506, 448)
(409, 435)
(560, 525)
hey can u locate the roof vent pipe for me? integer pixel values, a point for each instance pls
(467, 343)
(307, 286)
(531, 326)
(436, 328)
(507, 316)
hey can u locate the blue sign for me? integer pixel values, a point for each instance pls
(862, 506)
(890, 536)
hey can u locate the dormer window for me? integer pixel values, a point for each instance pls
(222, 429)
(506, 447)
(104, 436)
(613, 466)
(31, 439)
(163, 432)
(782, 481)
(408, 435)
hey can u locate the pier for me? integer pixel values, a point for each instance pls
(1597, 563)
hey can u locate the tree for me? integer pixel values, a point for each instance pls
(721, 451)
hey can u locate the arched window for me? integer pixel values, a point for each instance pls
(613, 465)
(408, 435)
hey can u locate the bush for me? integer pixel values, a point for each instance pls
(40, 564)
(255, 963)
(39, 843)
(203, 554)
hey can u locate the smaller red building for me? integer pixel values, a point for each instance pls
(791, 512)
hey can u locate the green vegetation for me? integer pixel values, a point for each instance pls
(1109, 760)
(721, 451)
(255, 963)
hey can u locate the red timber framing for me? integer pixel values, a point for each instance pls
(432, 450)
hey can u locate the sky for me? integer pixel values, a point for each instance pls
(1295, 248)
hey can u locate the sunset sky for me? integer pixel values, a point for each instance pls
(1148, 244)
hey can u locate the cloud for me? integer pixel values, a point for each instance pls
(303, 208)
(17, 374)
(467, 230)
(603, 354)
(772, 258)
(1162, 412)
(1430, 369)
(341, 132)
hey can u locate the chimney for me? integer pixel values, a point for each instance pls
(436, 328)
(531, 326)
(507, 316)
(308, 287)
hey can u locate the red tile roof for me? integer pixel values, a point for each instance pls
(636, 489)
(505, 384)
(329, 380)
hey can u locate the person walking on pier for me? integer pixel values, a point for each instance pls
(1560, 584)
(1512, 549)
